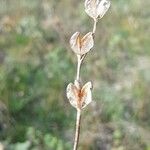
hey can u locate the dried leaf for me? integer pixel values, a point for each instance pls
(96, 8)
(79, 97)
(81, 45)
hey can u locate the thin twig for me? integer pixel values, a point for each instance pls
(77, 133)
(78, 67)
(94, 27)
(78, 119)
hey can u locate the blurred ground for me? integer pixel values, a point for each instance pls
(36, 64)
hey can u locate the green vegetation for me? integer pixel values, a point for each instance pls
(36, 64)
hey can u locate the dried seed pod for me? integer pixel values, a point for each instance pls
(96, 8)
(79, 97)
(81, 45)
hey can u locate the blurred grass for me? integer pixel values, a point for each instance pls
(36, 64)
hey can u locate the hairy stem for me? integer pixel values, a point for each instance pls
(77, 133)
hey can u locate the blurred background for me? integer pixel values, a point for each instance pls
(36, 64)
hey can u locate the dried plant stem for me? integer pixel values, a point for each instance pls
(77, 133)
(80, 95)
(78, 67)
(80, 59)
(78, 119)
(94, 27)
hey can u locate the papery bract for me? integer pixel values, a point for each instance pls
(96, 8)
(81, 45)
(79, 97)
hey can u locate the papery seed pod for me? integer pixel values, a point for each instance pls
(72, 94)
(81, 45)
(96, 8)
(79, 97)
(86, 94)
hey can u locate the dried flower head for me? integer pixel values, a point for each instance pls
(81, 45)
(96, 8)
(78, 96)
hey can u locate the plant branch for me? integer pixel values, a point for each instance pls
(77, 133)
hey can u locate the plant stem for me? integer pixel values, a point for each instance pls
(77, 133)
(94, 27)
(78, 119)
(78, 67)
(80, 59)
